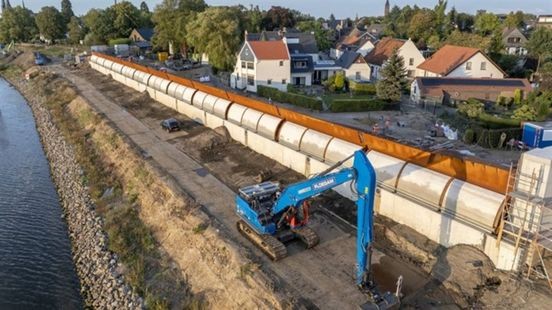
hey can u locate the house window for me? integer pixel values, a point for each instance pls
(411, 62)
(487, 96)
(281, 63)
(357, 76)
(243, 64)
(284, 82)
(269, 82)
(250, 65)
(300, 64)
(483, 66)
(468, 65)
(410, 73)
(250, 80)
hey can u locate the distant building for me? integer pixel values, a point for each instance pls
(141, 34)
(354, 66)
(376, 30)
(545, 21)
(461, 62)
(454, 90)
(514, 41)
(387, 8)
(378, 57)
(357, 41)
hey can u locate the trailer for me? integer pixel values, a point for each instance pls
(537, 135)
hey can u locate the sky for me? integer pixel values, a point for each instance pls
(323, 8)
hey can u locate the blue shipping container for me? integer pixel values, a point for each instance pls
(537, 135)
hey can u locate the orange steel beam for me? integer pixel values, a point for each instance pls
(486, 175)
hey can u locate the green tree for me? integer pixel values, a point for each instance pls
(278, 17)
(514, 20)
(540, 45)
(465, 21)
(546, 77)
(74, 30)
(17, 24)
(170, 18)
(393, 80)
(422, 26)
(66, 11)
(99, 26)
(144, 7)
(254, 18)
(322, 36)
(440, 18)
(126, 18)
(486, 24)
(217, 32)
(339, 81)
(472, 108)
(50, 23)
(469, 40)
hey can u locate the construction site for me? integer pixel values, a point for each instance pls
(458, 232)
(499, 215)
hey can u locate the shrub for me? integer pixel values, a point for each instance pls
(498, 122)
(363, 88)
(113, 42)
(490, 138)
(357, 105)
(339, 81)
(469, 136)
(525, 113)
(472, 108)
(295, 99)
(517, 96)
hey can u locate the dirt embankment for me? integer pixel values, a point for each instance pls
(159, 240)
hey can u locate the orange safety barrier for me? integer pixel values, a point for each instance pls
(486, 175)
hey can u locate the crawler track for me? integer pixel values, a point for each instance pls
(271, 246)
(308, 236)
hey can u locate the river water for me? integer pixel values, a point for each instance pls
(36, 268)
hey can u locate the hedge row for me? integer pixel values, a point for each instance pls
(357, 105)
(490, 138)
(498, 122)
(295, 99)
(113, 42)
(362, 88)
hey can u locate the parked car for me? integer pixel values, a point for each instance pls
(170, 125)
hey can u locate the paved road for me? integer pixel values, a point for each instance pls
(323, 275)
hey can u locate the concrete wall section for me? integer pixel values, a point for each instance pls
(315, 143)
(235, 113)
(250, 119)
(198, 98)
(237, 132)
(291, 134)
(191, 111)
(424, 184)
(338, 150)
(268, 126)
(221, 107)
(387, 168)
(213, 121)
(209, 103)
(166, 100)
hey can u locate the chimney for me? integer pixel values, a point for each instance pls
(245, 35)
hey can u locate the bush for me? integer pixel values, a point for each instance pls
(472, 108)
(363, 88)
(490, 138)
(517, 96)
(339, 81)
(295, 99)
(469, 136)
(525, 113)
(498, 122)
(113, 42)
(357, 105)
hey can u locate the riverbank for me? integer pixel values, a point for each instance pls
(141, 211)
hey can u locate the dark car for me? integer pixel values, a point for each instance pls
(170, 125)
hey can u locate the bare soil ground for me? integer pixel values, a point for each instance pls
(460, 277)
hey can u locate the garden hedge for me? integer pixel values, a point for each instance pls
(357, 105)
(494, 122)
(294, 99)
(362, 88)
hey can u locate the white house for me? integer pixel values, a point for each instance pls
(262, 63)
(356, 41)
(459, 61)
(377, 57)
(355, 67)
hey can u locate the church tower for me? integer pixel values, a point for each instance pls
(387, 8)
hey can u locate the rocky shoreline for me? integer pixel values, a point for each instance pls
(102, 284)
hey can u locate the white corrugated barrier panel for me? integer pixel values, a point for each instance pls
(422, 183)
(235, 113)
(338, 150)
(117, 67)
(128, 72)
(209, 103)
(291, 134)
(221, 107)
(159, 84)
(192, 112)
(142, 77)
(197, 101)
(387, 167)
(314, 143)
(250, 119)
(268, 125)
(472, 202)
(188, 95)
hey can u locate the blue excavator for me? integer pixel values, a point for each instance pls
(271, 216)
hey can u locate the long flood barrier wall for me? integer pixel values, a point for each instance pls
(448, 199)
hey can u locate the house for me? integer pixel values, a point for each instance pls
(545, 21)
(449, 90)
(262, 63)
(357, 41)
(514, 41)
(355, 66)
(377, 57)
(459, 61)
(141, 34)
(376, 30)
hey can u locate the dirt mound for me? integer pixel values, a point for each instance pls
(24, 60)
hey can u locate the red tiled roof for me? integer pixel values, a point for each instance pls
(269, 50)
(448, 58)
(383, 50)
